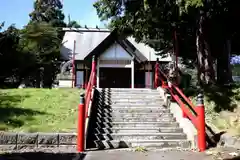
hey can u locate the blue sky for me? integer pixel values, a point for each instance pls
(16, 12)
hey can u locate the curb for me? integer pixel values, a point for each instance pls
(17, 141)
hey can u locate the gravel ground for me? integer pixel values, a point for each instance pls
(121, 154)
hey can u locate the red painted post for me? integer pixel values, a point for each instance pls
(94, 70)
(81, 125)
(156, 76)
(201, 123)
(164, 84)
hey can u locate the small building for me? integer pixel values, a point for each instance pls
(121, 61)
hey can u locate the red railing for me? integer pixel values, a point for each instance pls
(194, 113)
(88, 92)
(84, 108)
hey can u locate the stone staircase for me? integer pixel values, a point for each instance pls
(135, 118)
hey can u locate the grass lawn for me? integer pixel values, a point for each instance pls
(39, 110)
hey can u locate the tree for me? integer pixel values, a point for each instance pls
(41, 40)
(1, 25)
(193, 20)
(42, 37)
(73, 24)
(11, 57)
(49, 11)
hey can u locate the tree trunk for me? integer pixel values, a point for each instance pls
(224, 73)
(200, 65)
(206, 73)
(38, 78)
(229, 47)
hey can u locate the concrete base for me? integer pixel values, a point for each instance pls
(65, 83)
(188, 128)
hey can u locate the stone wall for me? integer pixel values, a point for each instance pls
(17, 141)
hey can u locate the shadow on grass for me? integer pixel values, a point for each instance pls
(42, 156)
(10, 112)
(222, 96)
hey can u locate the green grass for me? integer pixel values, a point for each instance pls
(222, 103)
(222, 108)
(38, 110)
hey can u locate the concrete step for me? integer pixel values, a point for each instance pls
(133, 110)
(135, 119)
(149, 106)
(130, 92)
(136, 124)
(136, 96)
(156, 144)
(140, 136)
(136, 103)
(139, 130)
(127, 90)
(131, 100)
(133, 115)
(113, 94)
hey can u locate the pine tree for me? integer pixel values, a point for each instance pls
(49, 11)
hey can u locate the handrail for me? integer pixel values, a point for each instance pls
(195, 114)
(88, 93)
(179, 92)
(90, 85)
(85, 108)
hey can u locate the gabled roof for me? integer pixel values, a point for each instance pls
(110, 40)
(85, 42)
(96, 41)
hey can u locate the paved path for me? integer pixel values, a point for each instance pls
(164, 155)
(215, 154)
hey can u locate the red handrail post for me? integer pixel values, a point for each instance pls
(164, 84)
(94, 70)
(81, 125)
(201, 123)
(156, 80)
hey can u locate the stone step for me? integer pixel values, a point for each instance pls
(130, 100)
(112, 94)
(133, 115)
(149, 106)
(137, 98)
(139, 130)
(137, 103)
(133, 110)
(140, 136)
(135, 119)
(136, 124)
(144, 96)
(125, 94)
(130, 92)
(127, 90)
(155, 144)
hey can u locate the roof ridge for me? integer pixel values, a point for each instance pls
(87, 29)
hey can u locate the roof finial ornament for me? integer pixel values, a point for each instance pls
(86, 26)
(97, 26)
